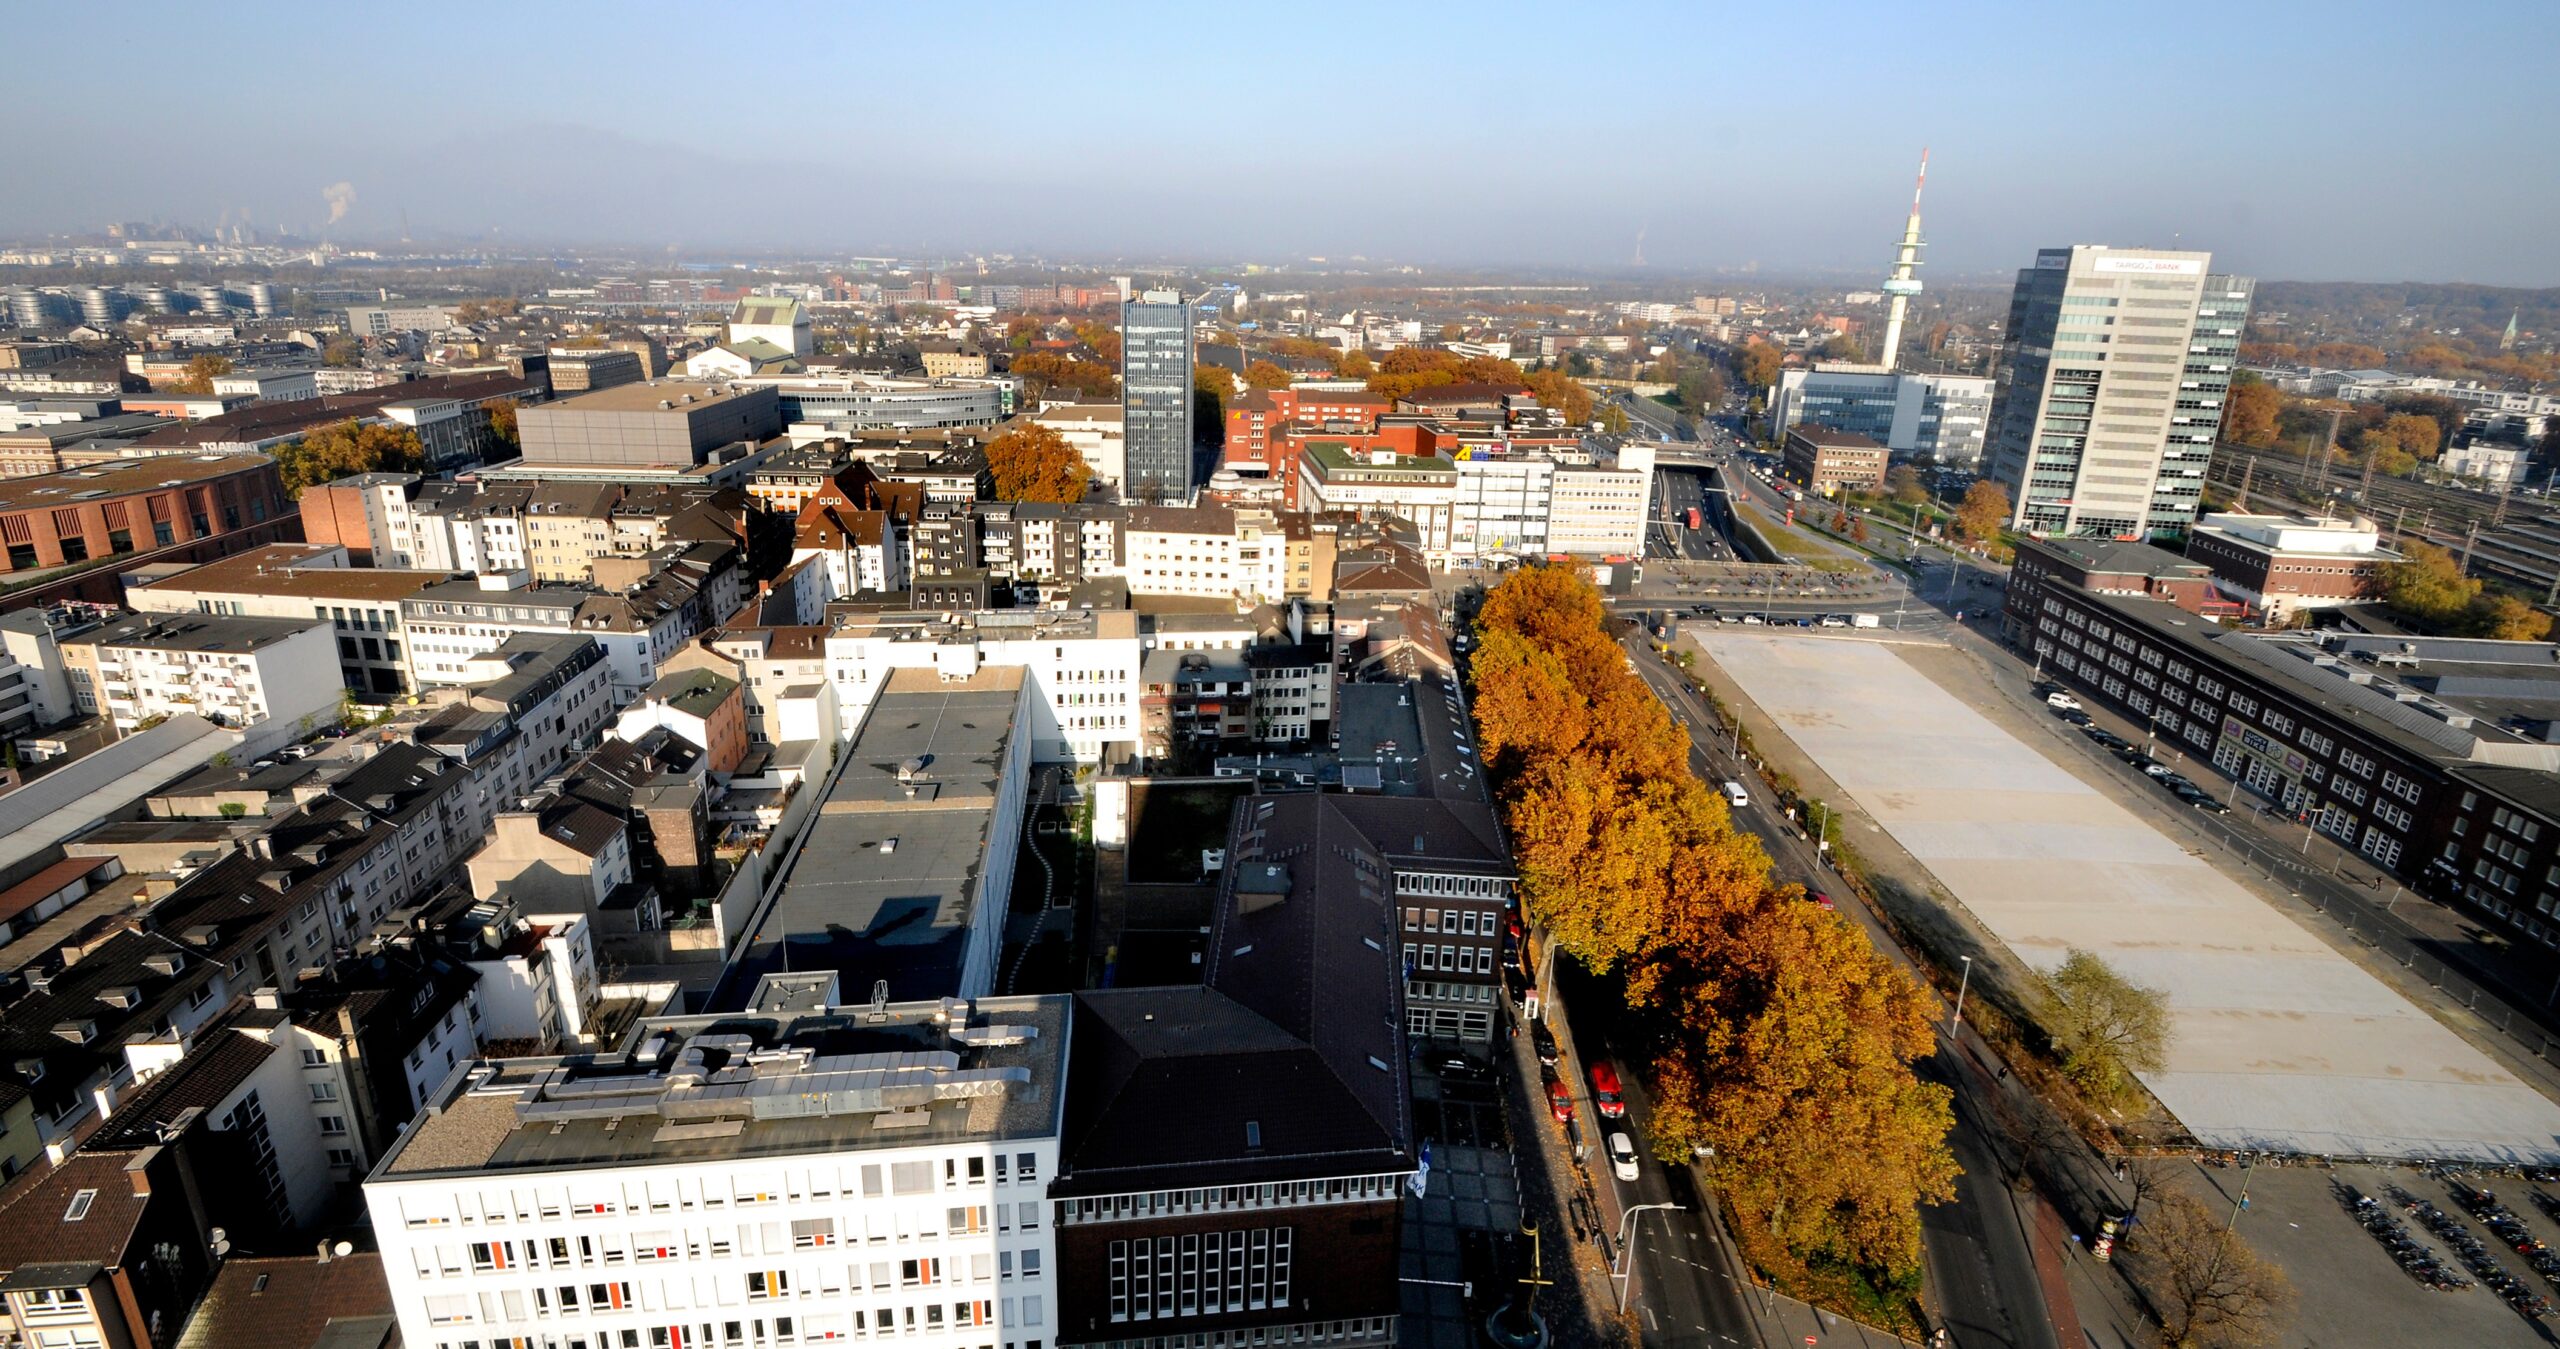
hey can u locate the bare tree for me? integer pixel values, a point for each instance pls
(2210, 1290)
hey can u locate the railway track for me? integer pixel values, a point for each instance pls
(2517, 539)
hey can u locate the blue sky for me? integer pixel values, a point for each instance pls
(2299, 141)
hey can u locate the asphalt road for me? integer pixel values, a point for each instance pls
(1981, 1273)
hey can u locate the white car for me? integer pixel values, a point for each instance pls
(2062, 701)
(1622, 1156)
(1734, 795)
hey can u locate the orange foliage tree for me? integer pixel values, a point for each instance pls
(1031, 462)
(1766, 1011)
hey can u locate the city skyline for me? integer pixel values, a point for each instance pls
(1690, 138)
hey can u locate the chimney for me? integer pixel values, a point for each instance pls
(138, 1171)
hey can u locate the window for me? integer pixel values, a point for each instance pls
(324, 1091)
(313, 1058)
(333, 1125)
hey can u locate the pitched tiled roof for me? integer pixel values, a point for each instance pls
(35, 1226)
(287, 1303)
(211, 1071)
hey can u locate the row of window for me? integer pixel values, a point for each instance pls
(1231, 1198)
(869, 1180)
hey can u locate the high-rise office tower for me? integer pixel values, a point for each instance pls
(2110, 388)
(1155, 396)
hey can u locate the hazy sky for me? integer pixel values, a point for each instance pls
(2311, 141)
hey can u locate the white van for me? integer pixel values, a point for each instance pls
(1735, 796)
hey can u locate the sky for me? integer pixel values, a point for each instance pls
(2331, 141)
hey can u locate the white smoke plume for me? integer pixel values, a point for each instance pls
(341, 197)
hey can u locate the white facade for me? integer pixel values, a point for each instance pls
(1600, 510)
(936, 1235)
(1178, 561)
(1083, 671)
(545, 992)
(1947, 417)
(1501, 506)
(1099, 433)
(268, 386)
(142, 677)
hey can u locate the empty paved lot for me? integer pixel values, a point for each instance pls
(2280, 1042)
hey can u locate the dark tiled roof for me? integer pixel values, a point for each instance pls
(33, 1229)
(287, 1303)
(210, 1072)
(1168, 1079)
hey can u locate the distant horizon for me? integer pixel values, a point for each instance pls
(1141, 131)
(1385, 272)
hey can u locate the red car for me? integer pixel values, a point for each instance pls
(1820, 900)
(1604, 1092)
(1560, 1101)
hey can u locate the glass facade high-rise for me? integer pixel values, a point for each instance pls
(2111, 382)
(1155, 396)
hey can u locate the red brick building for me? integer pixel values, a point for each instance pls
(136, 506)
(2281, 563)
(1823, 460)
(2114, 567)
(1267, 428)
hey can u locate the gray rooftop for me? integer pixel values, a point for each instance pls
(884, 881)
(688, 1091)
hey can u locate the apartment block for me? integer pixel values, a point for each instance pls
(1082, 669)
(235, 672)
(314, 582)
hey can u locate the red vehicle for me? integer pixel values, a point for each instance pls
(1820, 900)
(1697, 518)
(1560, 1100)
(1604, 1092)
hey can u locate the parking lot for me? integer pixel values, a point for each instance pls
(2351, 1289)
(2278, 1041)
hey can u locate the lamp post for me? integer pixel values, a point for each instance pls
(1962, 986)
(1625, 1274)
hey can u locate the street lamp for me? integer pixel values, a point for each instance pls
(1962, 986)
(1625, 1274)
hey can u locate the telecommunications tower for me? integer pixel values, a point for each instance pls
(1904, 282)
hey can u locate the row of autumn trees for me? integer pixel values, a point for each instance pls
(1783, 1040)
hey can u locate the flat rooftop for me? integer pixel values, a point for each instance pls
(285, 569)
(120, 477)
(884, 881)
(646, 395)
(796, 1080)
(194, 632)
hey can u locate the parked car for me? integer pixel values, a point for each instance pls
(1605, 1097)
(2062, 700)
(2080, 719)
(2107, 740)
(2207, 803)
(1622, 1155)
(2133, 755)
(1560, 1102)
(1821, 901)
(1835, 620)
(2160, 770)
(1545, 1042)
(1460, 1066)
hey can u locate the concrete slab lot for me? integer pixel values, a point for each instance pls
(2280, 1042)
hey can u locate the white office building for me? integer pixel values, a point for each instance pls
(1943, 417)
(1082, 666)
(804, 1174)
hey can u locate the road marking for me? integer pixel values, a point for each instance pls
(1649, 1322)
